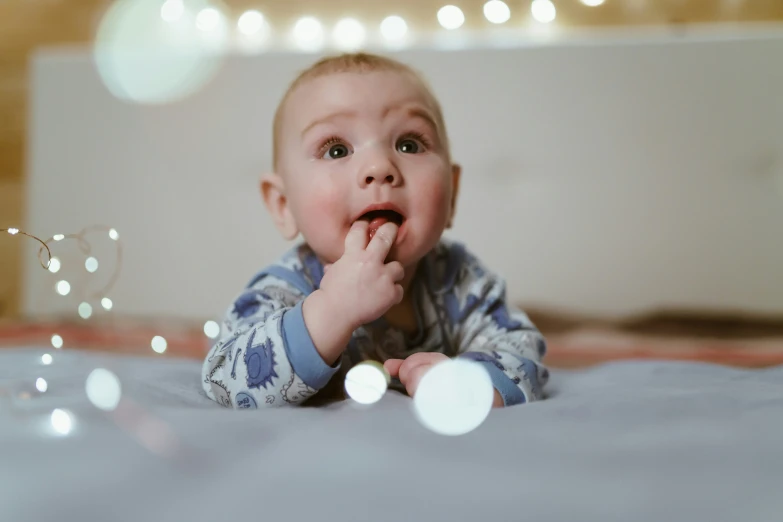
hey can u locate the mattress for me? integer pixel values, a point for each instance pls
(624, 441)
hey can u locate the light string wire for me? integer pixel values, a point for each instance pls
(155, 435)
(84, 247)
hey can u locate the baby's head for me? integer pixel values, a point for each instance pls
(360, 136)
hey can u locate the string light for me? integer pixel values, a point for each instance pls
(497, 12)
(103, 389)
(308, 33)
(16, 232)
(349, 34)
(451, 17)
(63, 287)
(592, 3)
(394, 28)
(61, 421)
(543, 11)
(250, 23)
(211, 329)
(85, 310)
(91, 264)
(54, 265)
(159, 344)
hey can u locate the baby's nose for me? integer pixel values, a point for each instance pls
(380, 178)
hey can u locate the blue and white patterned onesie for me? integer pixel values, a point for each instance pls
(266, 358)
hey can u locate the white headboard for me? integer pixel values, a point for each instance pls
(609, 178)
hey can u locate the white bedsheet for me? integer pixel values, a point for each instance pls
(635, 441)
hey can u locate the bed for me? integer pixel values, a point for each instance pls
(637, 440)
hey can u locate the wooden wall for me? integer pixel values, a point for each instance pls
(26, 25)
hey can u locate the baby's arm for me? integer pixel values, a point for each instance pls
(502, 339)
(265, 356)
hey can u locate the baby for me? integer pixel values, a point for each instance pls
(363, 171)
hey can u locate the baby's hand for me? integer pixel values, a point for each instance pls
(411, 370)
(360, 285)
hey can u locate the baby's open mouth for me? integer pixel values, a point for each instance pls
(377, 218)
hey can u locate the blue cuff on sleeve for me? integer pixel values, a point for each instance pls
(304, 358)
(510, 392)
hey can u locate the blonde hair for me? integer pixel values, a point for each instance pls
(350, 63)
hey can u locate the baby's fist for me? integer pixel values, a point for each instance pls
(411, 370)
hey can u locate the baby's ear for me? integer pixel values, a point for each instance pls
(456, 171)
(273, 192)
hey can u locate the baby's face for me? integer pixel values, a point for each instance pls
(366, 146)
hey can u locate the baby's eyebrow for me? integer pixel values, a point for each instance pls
(422, 113)
(329, 117)
(415, 112)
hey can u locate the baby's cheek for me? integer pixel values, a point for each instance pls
(320, 218)
(317, 201)
(433, 199)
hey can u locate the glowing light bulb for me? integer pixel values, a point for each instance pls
(106, 303)
(63, 287)
(454, 397)
(103, 389)
(349, 33)
(113, 234)
(250, 23)
(592, 3)
(394, 28)
(159, 344)
(543, 11)
(85, 310)
(451, 17)
(58, 237)
(366, 383)
(57, 341)
(13, 231)
(497, 12)
(54, 265)
(41, 385)
(46, 359)
(61, 421)
(91, 264)
(211, 329)
(308, 33)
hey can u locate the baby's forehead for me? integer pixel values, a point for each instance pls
(356, 90)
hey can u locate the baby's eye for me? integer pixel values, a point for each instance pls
(412, 143)
(408, 146)
(336, 151)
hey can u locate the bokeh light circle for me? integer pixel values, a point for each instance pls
(145, 57)
(454, 397)
(366, 383)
